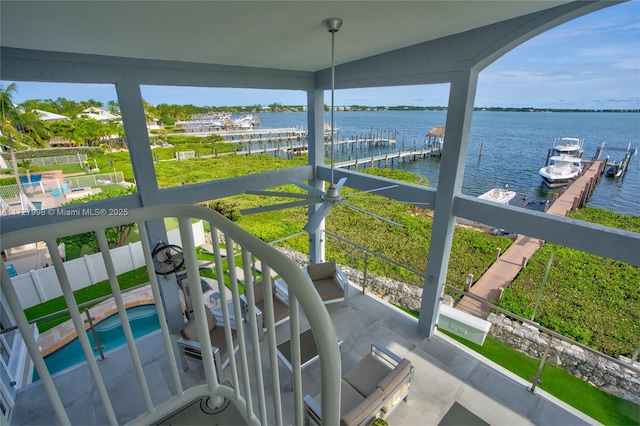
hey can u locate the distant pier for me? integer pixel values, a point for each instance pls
(388, 158)
(258, 135)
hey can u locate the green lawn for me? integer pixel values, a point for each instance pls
(601, 406)
(87, 294)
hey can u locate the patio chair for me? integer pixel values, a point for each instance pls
(183, 283)
(330, 282)
(372, 389)
(189, 345)
(55, 193)
(280, 308)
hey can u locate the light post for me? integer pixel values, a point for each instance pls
(469, 282)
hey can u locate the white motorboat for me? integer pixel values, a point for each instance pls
(561, 170)
(569, 146)
(499, 195)
(244, 123)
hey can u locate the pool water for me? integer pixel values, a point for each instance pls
(143, 320)
(36, 204)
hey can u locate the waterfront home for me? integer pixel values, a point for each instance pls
(281, 46)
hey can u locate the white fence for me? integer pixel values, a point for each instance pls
(185, 155)
(40, 285)
(59, 159)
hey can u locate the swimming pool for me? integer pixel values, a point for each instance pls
(36, 204)
(143, 320)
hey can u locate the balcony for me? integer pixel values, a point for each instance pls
(445, 373)
(145, 385)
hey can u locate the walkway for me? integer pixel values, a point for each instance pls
(507, 267)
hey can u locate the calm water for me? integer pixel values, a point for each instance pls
(514, 147)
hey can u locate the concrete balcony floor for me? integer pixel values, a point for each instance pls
(445, 373)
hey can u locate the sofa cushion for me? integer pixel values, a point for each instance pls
(218, 339)
(321, 271)
(395, 377)
(189, 330)
(350, 397)
(329, 289)
(365, 410)
(367, 374)
(392, 400)
(258, 292)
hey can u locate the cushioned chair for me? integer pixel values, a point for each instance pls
(372, 389)
(280, 308)
(330, 282)
(183, 283)
(190, 346)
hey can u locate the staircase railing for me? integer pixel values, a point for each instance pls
(244, 382)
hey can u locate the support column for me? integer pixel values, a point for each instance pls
(454, 154)
(315, 123)
(135, 127)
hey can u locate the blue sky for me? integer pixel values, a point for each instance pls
(590, 62)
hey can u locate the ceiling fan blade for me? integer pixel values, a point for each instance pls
(371, 214)
(282, 194)
(311, 189)
(317, 217)
(340, 184)
(371, 190)
(280, 206)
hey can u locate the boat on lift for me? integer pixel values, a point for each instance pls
(499, 195)
(562, 169)
(569, 146)
(614, 170)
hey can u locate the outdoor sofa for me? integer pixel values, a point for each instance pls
(372, 389)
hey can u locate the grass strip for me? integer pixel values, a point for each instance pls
(595, 403)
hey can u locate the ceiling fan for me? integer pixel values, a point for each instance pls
(167, 258)
(331, 196)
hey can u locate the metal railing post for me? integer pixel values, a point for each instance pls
(364, 272)
(535, 380)
(99, 347)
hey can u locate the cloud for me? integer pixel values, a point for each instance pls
(526, 77)
(628, 64)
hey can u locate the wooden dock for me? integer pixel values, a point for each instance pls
(387, 159)
(508, 265)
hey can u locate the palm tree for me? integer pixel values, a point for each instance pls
(8, 112)
(32, 127)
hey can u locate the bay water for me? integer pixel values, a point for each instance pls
(514, 147)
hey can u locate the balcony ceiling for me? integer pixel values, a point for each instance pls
(266, 34)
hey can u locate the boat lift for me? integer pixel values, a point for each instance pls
(613, 169)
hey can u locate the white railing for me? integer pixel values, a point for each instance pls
(248, 370)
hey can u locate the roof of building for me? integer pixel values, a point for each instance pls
(50, 116)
